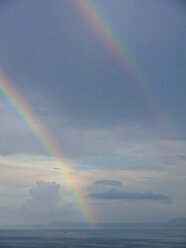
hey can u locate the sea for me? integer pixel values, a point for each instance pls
(71, 238)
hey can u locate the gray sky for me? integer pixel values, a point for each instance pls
(125, 141)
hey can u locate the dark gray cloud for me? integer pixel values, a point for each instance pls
(64, 70)
(109, 182)
(71, 67)
(5, 3)
(122, 195)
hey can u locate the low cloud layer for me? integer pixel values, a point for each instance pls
(44, 206)
(45, 196)
(115, 183)
(123, 195)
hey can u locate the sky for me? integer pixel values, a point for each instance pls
(106, 80)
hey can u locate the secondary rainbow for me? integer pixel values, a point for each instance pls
(25, 112)
(118, 47)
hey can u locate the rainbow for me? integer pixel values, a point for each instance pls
(119, 49)
(24, 111)
(117, 46)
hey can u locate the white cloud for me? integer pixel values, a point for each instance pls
(45, 204)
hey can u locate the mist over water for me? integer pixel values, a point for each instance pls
(10, 238)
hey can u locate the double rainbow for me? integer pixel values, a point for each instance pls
(119, 49)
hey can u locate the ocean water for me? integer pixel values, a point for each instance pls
(128, 238)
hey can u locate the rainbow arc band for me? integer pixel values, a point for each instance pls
(120, 51)
(24, 111)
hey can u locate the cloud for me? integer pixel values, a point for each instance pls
(97, 70)
(116, 183)
(44, 196)
(122, 195)
(44, 205)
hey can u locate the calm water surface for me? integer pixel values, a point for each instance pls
(93, 238)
